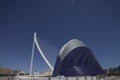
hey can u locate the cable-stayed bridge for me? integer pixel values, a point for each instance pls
(43, 47)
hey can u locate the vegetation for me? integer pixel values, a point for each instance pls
(113, 71)
(7, 72)
(3, 75)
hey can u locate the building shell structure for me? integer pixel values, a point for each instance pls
(75, 59)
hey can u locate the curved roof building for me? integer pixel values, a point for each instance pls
(76, 59)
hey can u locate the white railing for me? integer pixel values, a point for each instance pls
(71, 78)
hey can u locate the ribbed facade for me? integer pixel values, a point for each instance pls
(78, 60)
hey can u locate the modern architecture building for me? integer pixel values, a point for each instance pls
(76, 59)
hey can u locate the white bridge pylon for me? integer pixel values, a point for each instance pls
(41, 53)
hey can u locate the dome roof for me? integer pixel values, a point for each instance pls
(74, 43)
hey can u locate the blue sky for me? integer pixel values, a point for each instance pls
(95, 22)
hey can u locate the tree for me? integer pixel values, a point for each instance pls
(119, 68)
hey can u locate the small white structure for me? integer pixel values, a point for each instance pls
(36, 73)
(21, 73)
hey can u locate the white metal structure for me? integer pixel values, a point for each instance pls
(74, 43)
(41, 53)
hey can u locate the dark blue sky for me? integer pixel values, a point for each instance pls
(95, 22)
